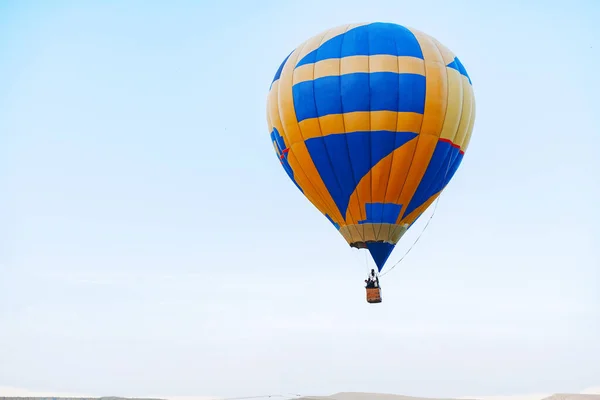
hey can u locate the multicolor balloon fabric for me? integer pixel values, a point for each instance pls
(371, 121)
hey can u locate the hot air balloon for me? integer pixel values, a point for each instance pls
(371, 122)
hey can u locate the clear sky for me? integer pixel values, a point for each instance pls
(151, 244)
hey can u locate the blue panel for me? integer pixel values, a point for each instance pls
(373, 39)
(380, 252)
(383, 144)
(304, 99)
(444, 162)
(342, 166)
(388, 91)
(337, 226)
(412, 93)
(386, 38)
(327, 95)
(384, 93)
(359, 148)
(283, 156)
(355, 92)
(438, 165)
(457, 65)
(320, 157)
(343, 159)
(386, 213)
(278, 73)
(453, 168)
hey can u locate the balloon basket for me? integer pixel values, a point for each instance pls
(374, 295)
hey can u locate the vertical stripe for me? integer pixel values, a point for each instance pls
(380, 173)
(445, 158)
(338, 148)
(471, 123)
(369, 231)
(454, 111)
(354, 122)
(292, 132)
(330, 158)
(274, 121)
(433, 118)
(392, 164)
(465, 119)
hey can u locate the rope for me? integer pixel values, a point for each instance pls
(450, 159)
(416, 240)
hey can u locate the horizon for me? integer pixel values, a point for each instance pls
(23, 393)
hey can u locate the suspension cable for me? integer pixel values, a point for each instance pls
(417, 239)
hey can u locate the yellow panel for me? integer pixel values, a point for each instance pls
(307, 187)
(465, 119)
(304, 73)
(402, 64)
(268, 112)
(401, 159)
(287, 112)
(436, 91)
(409, 122)
(356, 64)
(333, 123)
(361, 121)
(311, 128)
(383, 120)
(463, 138)
(455, 103)
(411, 65)
(324, 68)
(471, 124)
(447, 55)
(272, 108)
(357, 121)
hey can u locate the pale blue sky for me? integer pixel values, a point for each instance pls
(151, 244)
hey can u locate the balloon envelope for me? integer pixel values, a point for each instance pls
(371, 121)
